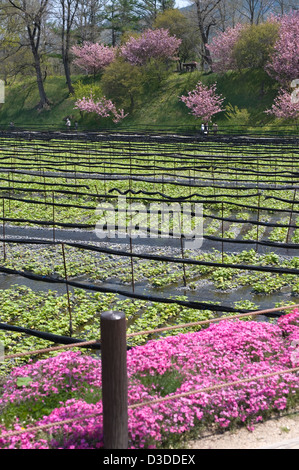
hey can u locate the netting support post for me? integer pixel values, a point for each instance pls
(114, 380)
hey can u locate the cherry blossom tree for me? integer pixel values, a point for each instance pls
(103, 107)
(284, 67)
(203, 102)
(222, 47)
(93, 57)
(284, 63)
(286, 104)
(151, 44)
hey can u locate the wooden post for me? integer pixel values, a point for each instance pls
(222, 232)
(67, 292)
(114, 380)
(53, 213)
(3, 227)
(291, 216)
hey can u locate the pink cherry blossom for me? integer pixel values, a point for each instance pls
(93, 57)
(284, 63)
(203, 102)
(221, 48)
(103, 107)
(285, 106)
(151, 44)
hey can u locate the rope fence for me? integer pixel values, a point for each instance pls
(81, 343)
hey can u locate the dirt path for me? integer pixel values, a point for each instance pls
(279, 433)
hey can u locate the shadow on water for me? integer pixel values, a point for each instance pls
(7, 281)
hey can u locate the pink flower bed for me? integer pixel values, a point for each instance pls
(224, 352)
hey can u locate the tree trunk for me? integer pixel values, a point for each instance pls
(42, 94)
(205, 53)
(67, 21)
(34, 44)
(66, 64)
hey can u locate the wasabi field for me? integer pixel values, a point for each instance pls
(50, 191)
(57, 275)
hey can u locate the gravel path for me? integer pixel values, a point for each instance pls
(278, 433)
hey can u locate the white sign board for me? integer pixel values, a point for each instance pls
(2, 91)
(1, 352)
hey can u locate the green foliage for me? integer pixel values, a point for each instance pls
(180, 26)
(34, 409)
(123, 83)
(155, 74)
(85, 89)
(255, 45)
(163, 384)
(23, 381)
(236, 116)
(155, 103)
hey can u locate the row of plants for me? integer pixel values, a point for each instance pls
(43, 211)
(99, 267)
(76, 215)
(263, 163)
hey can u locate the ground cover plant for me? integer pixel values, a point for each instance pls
(69, 386)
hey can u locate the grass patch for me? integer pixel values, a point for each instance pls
(252, 90)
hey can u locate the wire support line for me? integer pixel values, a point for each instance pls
(52, 349)
(213, 320)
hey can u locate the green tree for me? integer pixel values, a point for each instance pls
(67, 13)
(15, 56)
(123, 83)
(33, 16)
(255, 45)
(121, 16)
(149, 9)
(180, 26)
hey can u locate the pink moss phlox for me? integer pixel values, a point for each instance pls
(225, 352)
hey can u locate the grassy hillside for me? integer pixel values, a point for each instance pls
(250, 91)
